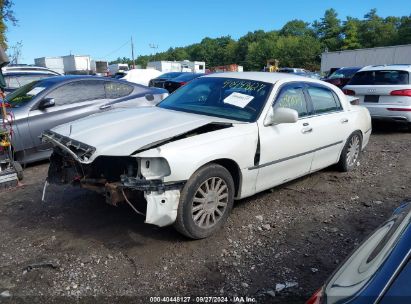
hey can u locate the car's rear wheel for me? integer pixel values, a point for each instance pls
(350, 153)
(205, 202)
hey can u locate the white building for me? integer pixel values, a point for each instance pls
(398, 54)
(177, 66)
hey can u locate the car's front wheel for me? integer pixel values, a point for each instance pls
(350, 153)
(205, 202)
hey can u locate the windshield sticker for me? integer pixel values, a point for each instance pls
(238, 99)
(35, 91)
(245, 85)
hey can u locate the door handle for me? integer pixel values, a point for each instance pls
(103, 107)
(344, 120)
(307, 130)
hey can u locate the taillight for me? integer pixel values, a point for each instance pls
(349, 92)
(400, 109)
(401, 93)
(316, 297)
(183, 83)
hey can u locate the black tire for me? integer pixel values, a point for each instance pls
(190, 222)
(19, 170)
(350, 156)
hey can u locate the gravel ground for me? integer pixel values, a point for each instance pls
(277, 247)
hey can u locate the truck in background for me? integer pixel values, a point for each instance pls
(70, 64)
(99, 67)
(118, 68)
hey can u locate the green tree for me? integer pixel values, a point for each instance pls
(7, 15)
(404, 30)
(329, 30)
(376, 31)
(351, 34)
(296, 28)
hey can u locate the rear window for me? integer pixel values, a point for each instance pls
(385, 77)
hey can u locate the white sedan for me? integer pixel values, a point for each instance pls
(220, 138)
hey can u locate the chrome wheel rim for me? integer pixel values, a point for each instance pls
(353, 150)
(210, 202)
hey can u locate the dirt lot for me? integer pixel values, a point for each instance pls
(74, 246)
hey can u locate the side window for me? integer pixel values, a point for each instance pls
(323, 100)
(293, 98)
(78, 91)
(116, 90)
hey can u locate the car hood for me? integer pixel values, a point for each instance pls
(121, 132)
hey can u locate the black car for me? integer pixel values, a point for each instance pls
(378, 271)
(174, 84)
(342, 76)
(160, 80)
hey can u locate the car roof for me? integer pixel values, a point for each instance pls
(349, 68)
(27, 68)
(265, 76)
(399, 67)
(58, 79)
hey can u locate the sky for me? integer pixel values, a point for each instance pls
(103, 28)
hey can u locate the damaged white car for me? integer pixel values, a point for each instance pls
(219, 138)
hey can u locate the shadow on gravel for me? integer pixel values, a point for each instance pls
(387, 127)
(84, 214)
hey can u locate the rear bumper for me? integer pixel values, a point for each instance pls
(390, 112)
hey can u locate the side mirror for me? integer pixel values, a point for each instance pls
(281, 116)
(46, 103)
(149, 97)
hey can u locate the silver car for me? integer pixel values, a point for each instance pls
(385, 90)
(46, 103)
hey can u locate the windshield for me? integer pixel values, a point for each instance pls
(343, 73)
(187, 77)
(25, 94)
(230, 98)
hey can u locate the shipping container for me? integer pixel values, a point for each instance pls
(53, 63)
(77, 64)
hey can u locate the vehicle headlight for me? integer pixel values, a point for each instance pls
(154, 167)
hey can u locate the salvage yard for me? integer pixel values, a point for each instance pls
(279, 244)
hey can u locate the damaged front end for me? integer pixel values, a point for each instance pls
(119, 178)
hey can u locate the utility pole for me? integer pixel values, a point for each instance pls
(154, 47)
(132, 53)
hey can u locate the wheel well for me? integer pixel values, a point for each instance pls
(234, 170)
